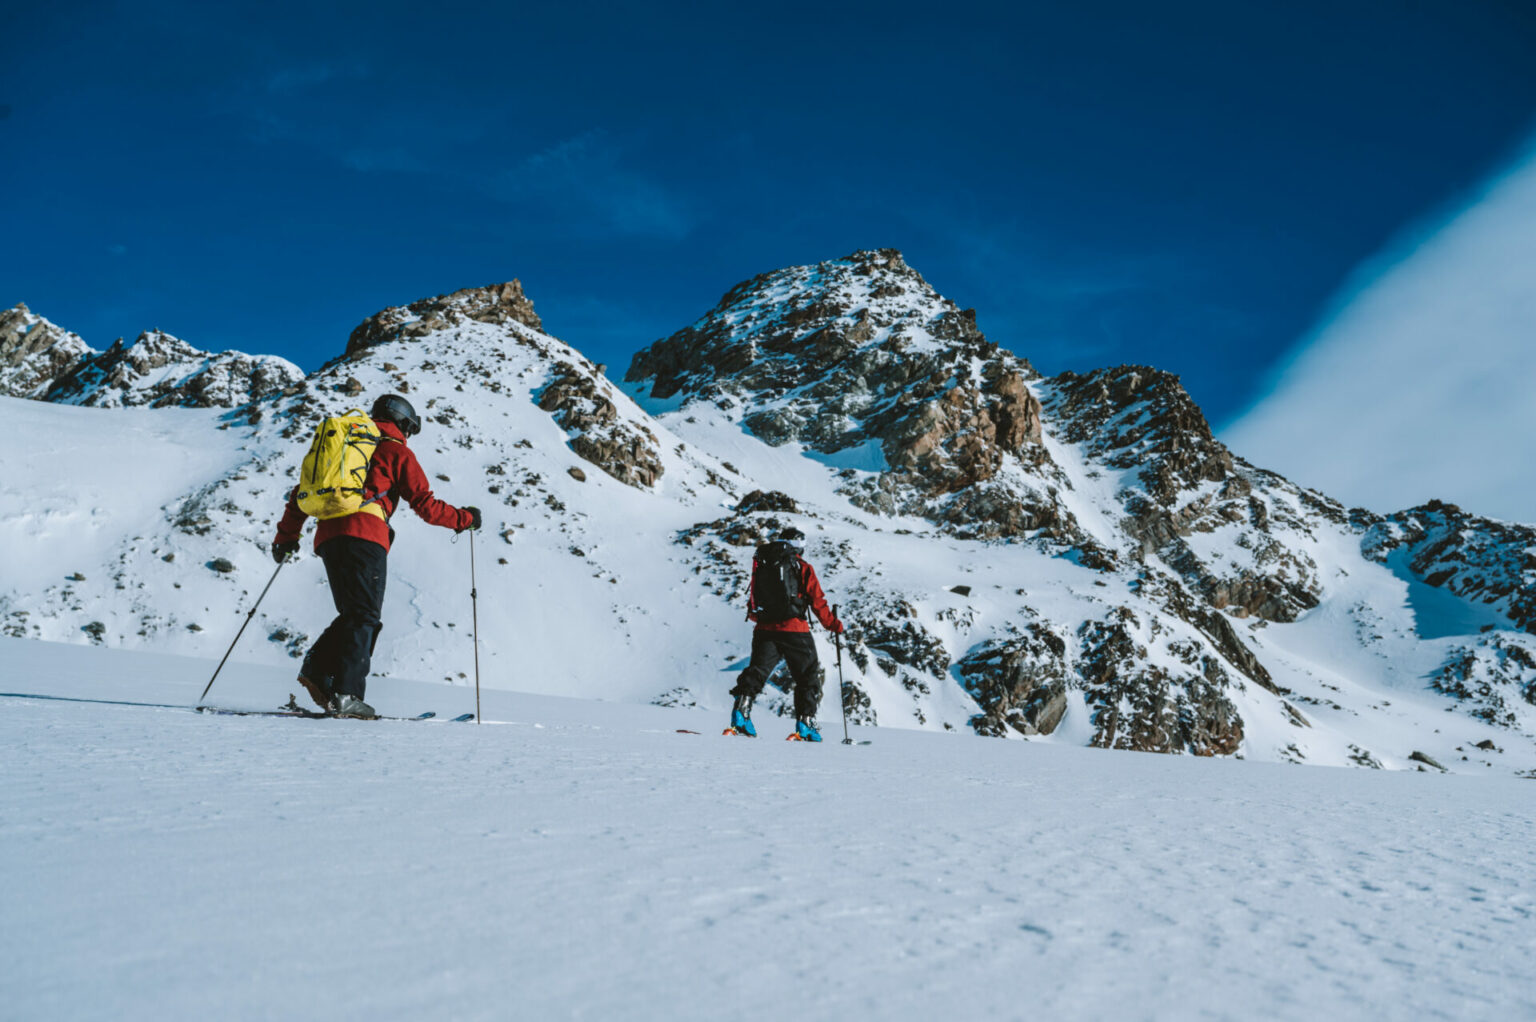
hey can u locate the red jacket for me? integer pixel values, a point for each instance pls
(811, 587)
(393, 473)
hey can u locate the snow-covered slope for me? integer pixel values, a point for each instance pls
(1075, 559)
(579, 859)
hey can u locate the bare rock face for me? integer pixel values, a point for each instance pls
(160, 370)
(1136, 417)
(1214, 626)
(1021, 685)
(1479, 559)
(34, 352)
(580, 402)
(1143, 705)
(767, 500)
(963, 436)
(495, 303)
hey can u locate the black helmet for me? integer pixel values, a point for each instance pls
(396, 409)
(794, 539)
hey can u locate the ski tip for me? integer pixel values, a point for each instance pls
(463, 717)
(685, 731)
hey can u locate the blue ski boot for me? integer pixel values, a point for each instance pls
(741, 718)
(805, 731)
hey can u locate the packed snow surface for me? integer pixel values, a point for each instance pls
(577, 859)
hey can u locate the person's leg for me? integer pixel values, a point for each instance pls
(357, 572)
(799, 651)
(765, 657)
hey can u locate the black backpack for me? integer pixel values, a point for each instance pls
(776, 590)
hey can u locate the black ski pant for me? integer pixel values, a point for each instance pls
(798, 650)
(356, 570)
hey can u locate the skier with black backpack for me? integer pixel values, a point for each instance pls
(357, 471)
(782, 594)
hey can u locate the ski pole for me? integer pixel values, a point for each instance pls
(474, 614)
(249, 614)
(842, 693)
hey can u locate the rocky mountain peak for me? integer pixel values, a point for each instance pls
(862, 354)
(34, 352)
(868, 315)
(495, 304)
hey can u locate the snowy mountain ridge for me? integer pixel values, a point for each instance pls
(1073, 559)
(41, 360)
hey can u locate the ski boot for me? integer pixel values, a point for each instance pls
(805, 731)
(353, 707)
(318, 687)
(741, 718)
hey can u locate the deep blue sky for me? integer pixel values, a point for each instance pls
(1180, 184)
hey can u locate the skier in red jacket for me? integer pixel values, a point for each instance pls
(355, 549)
(783, 591)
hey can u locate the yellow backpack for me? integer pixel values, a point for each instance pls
(335, 470)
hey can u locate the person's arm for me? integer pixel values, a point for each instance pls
(751, 610)
(291, 527)
(414, 489)
(819, 600)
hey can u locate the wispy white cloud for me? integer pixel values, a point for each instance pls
(1418, 384)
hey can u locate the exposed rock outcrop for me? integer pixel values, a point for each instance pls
(1137, 417)
(580, 402)
(34, 352)
(495, 303)
(1020, 684)
(1479, 559)
(1147, 704)
(1492, 678)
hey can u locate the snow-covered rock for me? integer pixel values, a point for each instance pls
(160, 370)
(41, 360)
(34, 352)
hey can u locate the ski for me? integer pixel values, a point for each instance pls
(293, 709)
(734, 731)
(225, 712)
(311, 714)
(461, 718)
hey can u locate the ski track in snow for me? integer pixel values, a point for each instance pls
(581, 860)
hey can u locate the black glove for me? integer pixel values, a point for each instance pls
(282, 551)
(474, 518)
